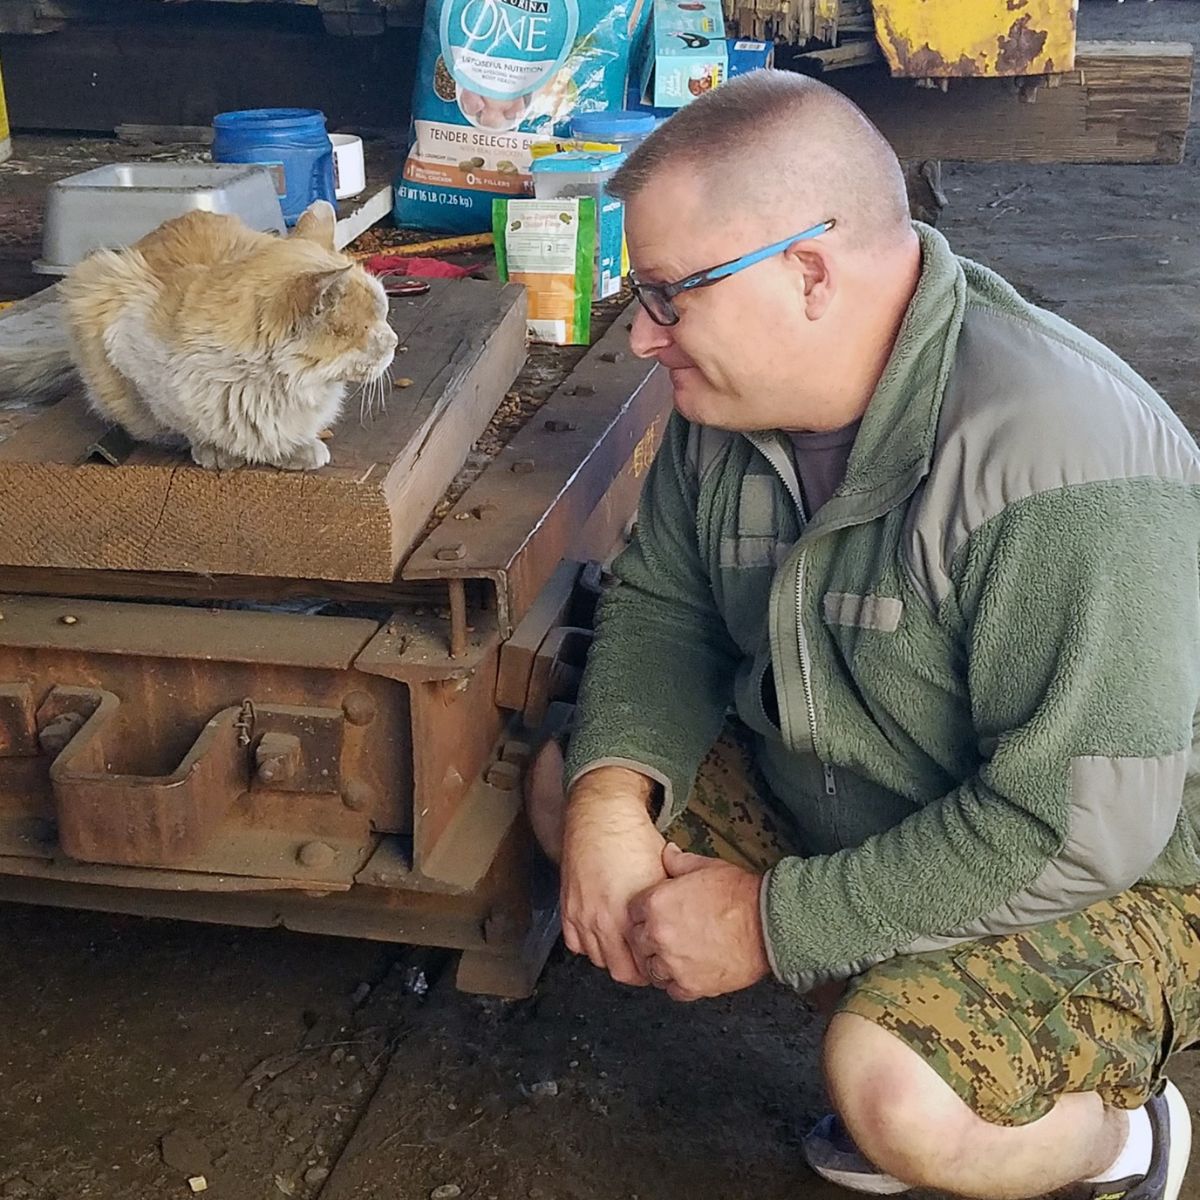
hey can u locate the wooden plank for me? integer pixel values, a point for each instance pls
(351, 521)
(1123, 103)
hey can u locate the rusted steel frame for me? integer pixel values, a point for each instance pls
(175, 585)
(173, 667)
(174, 632)
(378, 914)
(457, 729)
(541, 490)
(456, 920)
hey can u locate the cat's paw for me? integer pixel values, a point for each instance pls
(214, 458)
(311, 456)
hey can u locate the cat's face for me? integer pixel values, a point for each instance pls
(326, 313)
(347, 330)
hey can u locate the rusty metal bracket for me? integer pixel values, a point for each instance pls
(298, 749)
(162, 821)
(138, 820)
(18, 721)
(557, 671)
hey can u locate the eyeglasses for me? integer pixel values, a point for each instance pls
(657, 298)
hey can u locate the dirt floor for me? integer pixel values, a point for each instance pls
(135, 1054)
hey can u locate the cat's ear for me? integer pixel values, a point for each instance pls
(312, 293)
(317, 223)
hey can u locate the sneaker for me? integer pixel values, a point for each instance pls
(1171, 1127)
(831, 1152)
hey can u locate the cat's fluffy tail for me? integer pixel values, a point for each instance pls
(35, 374)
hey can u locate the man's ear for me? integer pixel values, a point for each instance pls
(817, 274)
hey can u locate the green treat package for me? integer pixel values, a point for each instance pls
(550, 246)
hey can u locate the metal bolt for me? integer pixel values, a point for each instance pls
(553, 426)
(503, 775)
(68, 620)
(357, 796)
(316, 855)
(452, 553)
(359, 708)
(523, 466)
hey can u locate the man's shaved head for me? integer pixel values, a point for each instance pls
(786, 147)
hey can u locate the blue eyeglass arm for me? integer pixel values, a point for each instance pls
(713, 274)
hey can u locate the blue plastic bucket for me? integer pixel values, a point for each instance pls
(624, 128)
(293, 142)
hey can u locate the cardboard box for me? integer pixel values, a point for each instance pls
(687, 54)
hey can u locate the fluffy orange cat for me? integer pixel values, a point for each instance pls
(238, 344)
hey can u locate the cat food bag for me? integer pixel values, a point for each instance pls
(493, 77)
(550, 247)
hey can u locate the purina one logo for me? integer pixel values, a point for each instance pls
(490, 22)
(506, 48)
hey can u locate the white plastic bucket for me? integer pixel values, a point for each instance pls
(349, 167)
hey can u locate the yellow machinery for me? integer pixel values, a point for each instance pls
(976, 37)
(922, 39)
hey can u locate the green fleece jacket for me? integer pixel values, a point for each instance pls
(984, 651)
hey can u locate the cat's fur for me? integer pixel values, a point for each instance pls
(238, 344)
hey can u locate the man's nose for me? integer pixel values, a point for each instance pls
(646, 338)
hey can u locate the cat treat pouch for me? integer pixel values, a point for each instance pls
(550, 247)
(495, 76)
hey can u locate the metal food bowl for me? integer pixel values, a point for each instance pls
(115, 205)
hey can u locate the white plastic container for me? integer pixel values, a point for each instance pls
(113, 206)
(349, 165)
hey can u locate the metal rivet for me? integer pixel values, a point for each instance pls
(68, 620)
(523, 466)
(357, 796)
(452, 553)
(359, 708)
(316, 855)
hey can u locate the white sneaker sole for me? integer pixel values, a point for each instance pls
(856, 1181)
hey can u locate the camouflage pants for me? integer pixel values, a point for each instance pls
(1094, 1002)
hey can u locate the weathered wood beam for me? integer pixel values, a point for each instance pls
(1125, 102)
(353, 520)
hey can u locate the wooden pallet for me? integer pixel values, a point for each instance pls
(354, 520)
